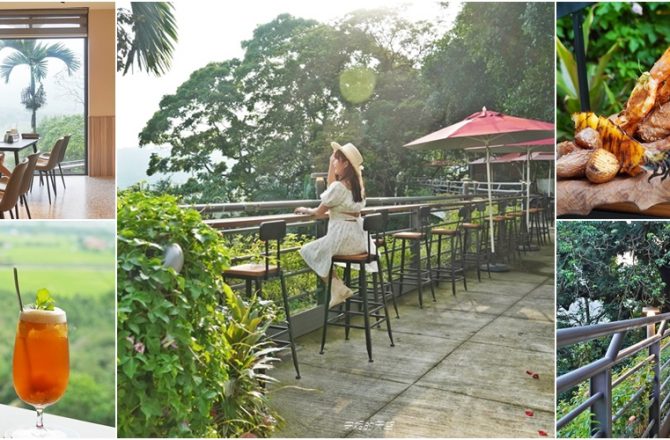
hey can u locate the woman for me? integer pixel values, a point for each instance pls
(4, 171)
(343, 200)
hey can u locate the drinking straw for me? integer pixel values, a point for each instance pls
(18, 292)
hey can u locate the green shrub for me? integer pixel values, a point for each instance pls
(634, 420)
(179, 368)
(53, 127)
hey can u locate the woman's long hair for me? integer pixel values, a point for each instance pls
(350, 176)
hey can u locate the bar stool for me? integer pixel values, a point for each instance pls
(380, 242)
(416, 275)
(538, 223)
(475, 233)
(501, 227)
(257, 273)
(454, 268)
(373, 224)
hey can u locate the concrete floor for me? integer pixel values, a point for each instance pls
(83, 198)
(458, 368)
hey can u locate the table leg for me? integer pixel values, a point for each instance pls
(16, 157)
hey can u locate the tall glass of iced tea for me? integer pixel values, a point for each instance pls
(41, 363)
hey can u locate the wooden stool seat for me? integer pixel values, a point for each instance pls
(471, 226)
(409, 235)
(357, 258)
(445, 231)
(249, 270)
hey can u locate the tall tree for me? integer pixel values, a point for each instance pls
(146, 36)
(294, 91)
(35, 55)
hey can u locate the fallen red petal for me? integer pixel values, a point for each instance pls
(528, 372)
(542, 433)
(536, 376)
(529, 413)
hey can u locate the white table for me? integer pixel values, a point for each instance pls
(11, 417)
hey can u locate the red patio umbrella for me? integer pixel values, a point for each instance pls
(483, 130)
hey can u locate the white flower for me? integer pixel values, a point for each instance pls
(637, 8)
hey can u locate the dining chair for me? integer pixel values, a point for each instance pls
(27, 181)
(47, 164)
(61, 156)
(10, 196)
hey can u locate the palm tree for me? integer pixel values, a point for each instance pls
(146, 36)
(34, 54)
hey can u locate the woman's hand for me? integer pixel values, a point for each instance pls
(303, 210)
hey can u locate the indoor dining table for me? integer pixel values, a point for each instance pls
(17, 146)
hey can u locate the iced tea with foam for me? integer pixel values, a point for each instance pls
(41, 356)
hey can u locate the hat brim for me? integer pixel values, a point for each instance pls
(335, 146)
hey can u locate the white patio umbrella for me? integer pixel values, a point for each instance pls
(483, 130)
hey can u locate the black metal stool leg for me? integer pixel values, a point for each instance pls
(325, 308)
(462, 254)
(452, 265)
(439, 259)
(362, 285)
(429, 268)
(477, 248)
(375, 292)
(419, 280)
(289, 325)
(386, 312)
(390, 280)
(347, 303)
(402, 266)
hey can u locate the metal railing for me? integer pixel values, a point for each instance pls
(599, 374)
(471, 187)
(404, 217)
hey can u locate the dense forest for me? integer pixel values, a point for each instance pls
(255, 128)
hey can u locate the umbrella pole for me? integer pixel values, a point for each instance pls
(528, 245)
(493, 266)
(488, 178)
(528, 190)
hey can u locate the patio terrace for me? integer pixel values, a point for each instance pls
(458, 368)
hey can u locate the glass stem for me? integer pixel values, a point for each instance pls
(40, 413)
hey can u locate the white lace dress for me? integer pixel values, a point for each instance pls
(345, 234)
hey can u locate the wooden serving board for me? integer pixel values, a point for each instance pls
(629, 194)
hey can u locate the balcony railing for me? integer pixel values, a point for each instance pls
(403, 215)
(470, 187)
(599, 374)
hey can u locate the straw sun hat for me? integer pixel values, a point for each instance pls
(353, 156)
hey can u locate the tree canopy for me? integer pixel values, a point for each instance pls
(146, 35)
(620, 266)
(257, 127)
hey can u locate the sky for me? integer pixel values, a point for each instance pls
(59, 102)
(214, 33)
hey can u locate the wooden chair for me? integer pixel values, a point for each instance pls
(47, 165)
(10, 196)
(61, 157)
(27, 181)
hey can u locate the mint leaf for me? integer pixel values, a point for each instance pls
(44, 301)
